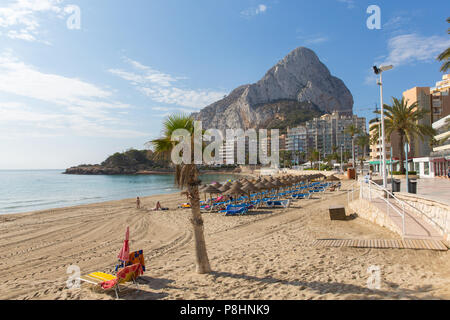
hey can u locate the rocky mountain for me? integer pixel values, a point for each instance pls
(298, 84)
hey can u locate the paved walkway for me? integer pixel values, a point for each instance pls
(415, 227)
(437, 189)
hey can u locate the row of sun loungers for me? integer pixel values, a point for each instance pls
(267, 199)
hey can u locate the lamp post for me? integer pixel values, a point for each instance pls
(379, 71)
(379, 137)
(342, 167)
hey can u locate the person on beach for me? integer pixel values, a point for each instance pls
(367, 177)
(138, 203)
(159, 207)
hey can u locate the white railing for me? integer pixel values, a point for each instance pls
(351, 191)
(427, 218)
(375, 191)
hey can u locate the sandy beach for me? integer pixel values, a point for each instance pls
(265, 255)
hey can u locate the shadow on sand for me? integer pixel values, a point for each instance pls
(133, 292)
(335, 287)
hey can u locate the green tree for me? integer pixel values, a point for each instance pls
(445, 56)
(303, 156)
(186, 176)
(403, 119)
(313, 156)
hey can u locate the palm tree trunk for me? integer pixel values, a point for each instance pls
(201, 255)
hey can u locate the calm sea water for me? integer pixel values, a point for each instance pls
(30, 190)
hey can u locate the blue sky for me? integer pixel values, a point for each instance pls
(71, 96)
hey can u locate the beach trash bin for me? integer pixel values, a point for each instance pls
(351, 173)
(337, 213)
(412, 186)
(395, 185)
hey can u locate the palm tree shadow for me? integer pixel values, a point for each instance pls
(328, 287)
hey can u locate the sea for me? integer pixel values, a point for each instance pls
(31, 190)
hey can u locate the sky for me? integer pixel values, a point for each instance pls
(83, 79)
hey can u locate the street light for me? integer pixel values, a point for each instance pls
(380, 70)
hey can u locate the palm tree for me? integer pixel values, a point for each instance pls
(352, 130)
(313, 156)
(404, 120)
(186, 176)
(303, 156)
(297, 155)
(445, 56)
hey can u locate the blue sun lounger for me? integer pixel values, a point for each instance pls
(233, 210)
(278, 203)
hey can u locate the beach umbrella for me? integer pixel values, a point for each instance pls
(249, 188)
(224, 188)
(235, 191)
(321, 176)
(332, 178)
(124, 254)
(201, 188)
(216, 185)
(277, 184)
(211, 190)
(260, 185)
(268, 184)
(236, 183)
(286, 183)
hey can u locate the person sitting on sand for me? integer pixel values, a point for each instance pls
(159, 207)
(138, 203)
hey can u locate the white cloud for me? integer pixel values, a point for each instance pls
(311, 39)
(162, 88)
(21, 18)
(71, 104)
(396, 23)
(411, 48)
(24, 80)
(316, 40)
(253, 11)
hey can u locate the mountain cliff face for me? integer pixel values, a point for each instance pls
(299, 83)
